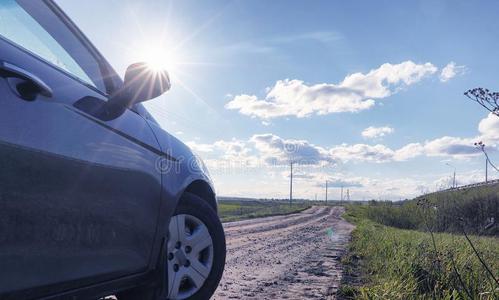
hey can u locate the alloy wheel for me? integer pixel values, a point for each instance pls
(189, 256)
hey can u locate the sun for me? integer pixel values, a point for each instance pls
(160, 58)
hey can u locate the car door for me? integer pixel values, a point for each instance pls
(79, 196)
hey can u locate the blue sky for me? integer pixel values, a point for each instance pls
(253, 79)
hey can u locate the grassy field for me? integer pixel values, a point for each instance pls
(239, 209)
(406, 264)
(474, 210)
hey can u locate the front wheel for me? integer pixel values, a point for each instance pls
(195, 250)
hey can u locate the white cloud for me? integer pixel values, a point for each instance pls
(229, 149)
(451, 146)
(409, 151)
(198, 147)
(489, 129)
(450, 71)
(269, 149)
(375, 153)
(277, 151)
(444, 147)
(459, 147)
(234, 149)
(376, 132)
(356, 92)
(362, 152)
(264, 154)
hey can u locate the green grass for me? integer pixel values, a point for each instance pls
(473, 209)
(402, 264)
(234, 210)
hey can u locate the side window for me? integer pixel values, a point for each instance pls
(18, 26)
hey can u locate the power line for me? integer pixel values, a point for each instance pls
(490, 162)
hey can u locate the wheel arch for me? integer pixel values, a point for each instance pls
(204, 191)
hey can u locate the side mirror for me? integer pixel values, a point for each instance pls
(142, 83)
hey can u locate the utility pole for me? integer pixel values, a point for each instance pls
(480, 145)
(291, 183)
(326, 191)
(486, 169)
(348, 195)
(454, 185)
(341, 193)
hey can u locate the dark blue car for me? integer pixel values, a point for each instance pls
(95, 198)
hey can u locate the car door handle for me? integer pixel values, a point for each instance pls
(29, 84)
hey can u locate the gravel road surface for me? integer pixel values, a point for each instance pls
(285, 257)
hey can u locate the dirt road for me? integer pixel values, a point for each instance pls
(285, 257)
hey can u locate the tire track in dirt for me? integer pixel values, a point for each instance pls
(241, 238)
(285, 257)
(247, 225)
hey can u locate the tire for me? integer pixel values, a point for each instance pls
(195, 206)
(196, 212)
